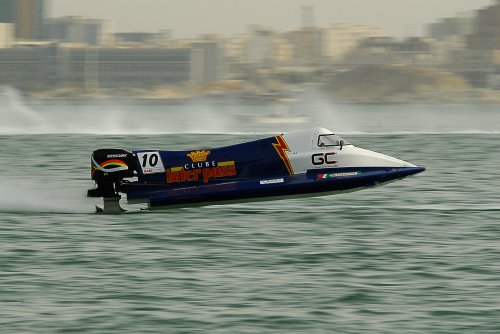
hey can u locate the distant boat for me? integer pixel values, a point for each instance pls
(281, 114)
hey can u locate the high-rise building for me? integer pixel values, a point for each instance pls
(78, 29)
(6, 35)
(340, 39)
(27, 15)
(486, 34)
(451, 27)
(29, 18)
(307, 45)
(7, 11)
(260, 45)
(50, 66)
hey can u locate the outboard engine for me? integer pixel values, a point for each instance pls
(108, 169)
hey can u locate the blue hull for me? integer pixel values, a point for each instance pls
(316, 182)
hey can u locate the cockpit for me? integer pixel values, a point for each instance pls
(330, 140)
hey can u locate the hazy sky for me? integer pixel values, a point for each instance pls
(188, 18)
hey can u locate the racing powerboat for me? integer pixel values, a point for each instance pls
(305, 163)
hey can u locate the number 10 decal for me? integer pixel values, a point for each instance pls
(150, 162)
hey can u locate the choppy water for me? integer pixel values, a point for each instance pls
(417, 256)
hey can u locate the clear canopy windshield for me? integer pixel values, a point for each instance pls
(331, 140)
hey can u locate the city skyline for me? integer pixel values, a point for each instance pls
(189, 18)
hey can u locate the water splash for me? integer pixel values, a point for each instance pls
(31, 195)
(15, 116)
(309, 108)
(116, 117)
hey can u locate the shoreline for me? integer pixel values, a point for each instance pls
(221, 100)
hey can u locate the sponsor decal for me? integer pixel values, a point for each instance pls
(199, 156)
(319, 159)
(201, 171)
(112, 165)
(333, 175)
(274, 181)
(122, 155)
(150, 162)
(282, 147)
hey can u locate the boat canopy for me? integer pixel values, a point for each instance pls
(315, 138)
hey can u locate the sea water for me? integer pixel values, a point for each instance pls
(417, 256)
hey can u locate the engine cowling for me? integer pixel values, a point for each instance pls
(109, 167)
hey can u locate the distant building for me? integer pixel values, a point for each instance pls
(283, 51)
(339, 39)
(125, 67)
(235, 47)
(29, 19)
(475, 65)
(143, 37)
(136, 37)
(233, 50)
(78, 29)
(486, 34)
(27, 15)
(29, 68)
(8, 11)
(478, 59)
(50, 66)
(207, 56)
(451, 27)
(389, 51)
(260, 47)
(307, 45)
(411, 45)
(6, 35)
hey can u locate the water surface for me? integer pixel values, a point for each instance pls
(416, 256)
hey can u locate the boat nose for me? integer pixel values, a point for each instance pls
(410, 169)
(407, 164)
(364, 157)
(403, 168)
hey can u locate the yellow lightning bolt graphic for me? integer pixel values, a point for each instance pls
(281, 147)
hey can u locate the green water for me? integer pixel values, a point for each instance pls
(417, 256)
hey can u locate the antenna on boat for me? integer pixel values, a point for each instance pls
(255, 133)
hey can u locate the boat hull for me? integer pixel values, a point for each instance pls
(319, 182)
